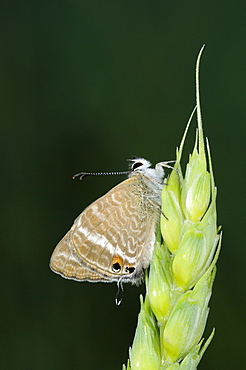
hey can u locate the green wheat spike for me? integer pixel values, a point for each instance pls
(173, 315)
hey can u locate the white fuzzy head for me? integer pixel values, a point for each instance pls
(141, 165)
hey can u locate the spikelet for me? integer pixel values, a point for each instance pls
(179, 286)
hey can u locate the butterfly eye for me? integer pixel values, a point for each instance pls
(130, 270)
(116, 267)
(136, 165)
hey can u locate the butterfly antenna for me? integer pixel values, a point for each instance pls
(81, 175)
(120, 290)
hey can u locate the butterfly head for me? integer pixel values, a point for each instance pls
(141, 165)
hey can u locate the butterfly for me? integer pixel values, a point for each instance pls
(112, 240)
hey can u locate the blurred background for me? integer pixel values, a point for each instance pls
(84, 85)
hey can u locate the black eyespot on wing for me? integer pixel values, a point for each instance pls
(136, 165)
(116, 267)
(130, 270)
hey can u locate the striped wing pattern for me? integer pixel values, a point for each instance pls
(112, 239)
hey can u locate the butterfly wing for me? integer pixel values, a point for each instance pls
(64, 262)
(112, 239)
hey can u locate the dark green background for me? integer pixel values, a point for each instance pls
(85, 85)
